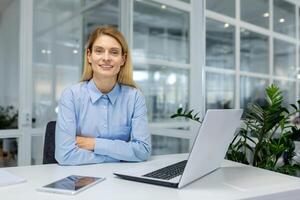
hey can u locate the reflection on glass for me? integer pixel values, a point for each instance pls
(226, 7)
(219, 90)
(187, 1)
(58, 44)
(254, 52)
(284, 58)
(160, 32)
(36, 149)
(284, 18)
(9, 63)
(168, 145)
(252, 91)
(288, 89)
(55, 9)
(104, 14)
(8, 152)
(220, 44)
(256, 12)
(165, 89)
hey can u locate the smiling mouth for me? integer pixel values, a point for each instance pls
(106, 66)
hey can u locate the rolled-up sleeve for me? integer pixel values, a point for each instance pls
(67, 151)
(139, 146)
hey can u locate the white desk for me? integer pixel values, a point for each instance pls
(232, 181)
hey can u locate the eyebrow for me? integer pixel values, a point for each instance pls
(113, 48)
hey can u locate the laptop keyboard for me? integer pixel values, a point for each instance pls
(168, 172)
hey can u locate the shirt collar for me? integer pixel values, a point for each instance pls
(96, 94)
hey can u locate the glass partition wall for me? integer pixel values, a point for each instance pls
(9, 82)
(248, 48)
(161, 45)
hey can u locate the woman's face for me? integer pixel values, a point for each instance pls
(106, 57)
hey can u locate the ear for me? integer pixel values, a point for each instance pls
(88, 55)
(123, 59)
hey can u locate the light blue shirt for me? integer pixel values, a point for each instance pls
(117, 121)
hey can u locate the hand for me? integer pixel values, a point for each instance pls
(87, 143)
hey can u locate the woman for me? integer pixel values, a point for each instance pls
(103, 118)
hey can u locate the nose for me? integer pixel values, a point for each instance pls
(106, 56)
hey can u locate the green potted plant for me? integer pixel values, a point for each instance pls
(8, 117)
(8, 120)
(266, 136)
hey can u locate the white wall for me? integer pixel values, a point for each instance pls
(9, 54)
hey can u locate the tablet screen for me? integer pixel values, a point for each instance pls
(73, 182)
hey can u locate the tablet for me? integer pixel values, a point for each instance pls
(71, 185)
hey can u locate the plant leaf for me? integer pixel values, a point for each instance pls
(179, 110)
(294, 106)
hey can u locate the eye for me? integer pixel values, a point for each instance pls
(115, 53)
(98, 50)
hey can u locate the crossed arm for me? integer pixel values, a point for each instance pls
(77, 150)
(87, 143)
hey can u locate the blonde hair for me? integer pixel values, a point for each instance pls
(125, 74)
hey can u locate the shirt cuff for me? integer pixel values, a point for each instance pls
(110, 159)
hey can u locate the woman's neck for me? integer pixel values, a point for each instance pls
(104, 85)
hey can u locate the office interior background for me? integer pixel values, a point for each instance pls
(195, 54)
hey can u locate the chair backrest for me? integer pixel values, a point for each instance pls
(49, 144)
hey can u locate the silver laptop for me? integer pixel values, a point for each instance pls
(208, 151)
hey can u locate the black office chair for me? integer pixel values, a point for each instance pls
(49, 144)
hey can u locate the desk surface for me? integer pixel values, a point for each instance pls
(232, 181)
